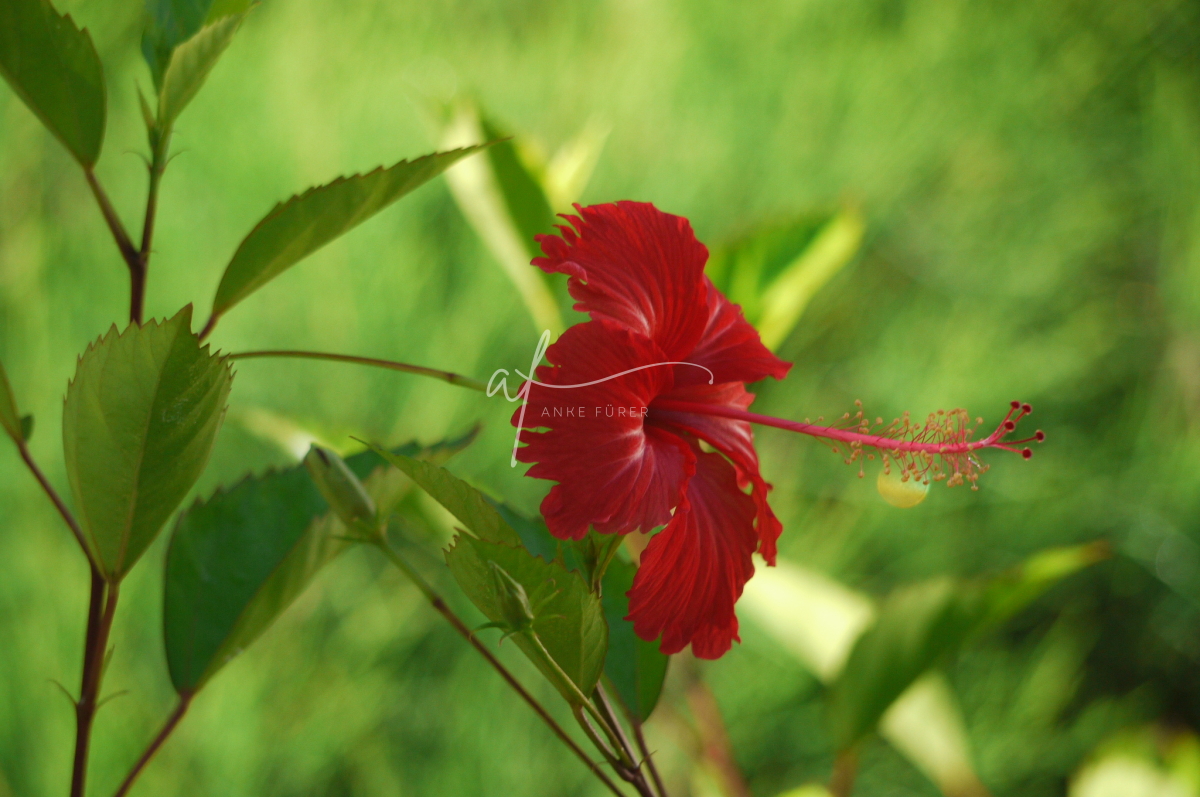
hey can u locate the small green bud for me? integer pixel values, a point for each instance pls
(340, 487)
(517, 612)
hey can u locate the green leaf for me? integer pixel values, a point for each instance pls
(139, 422)
(53, 67)
(920, 626)
(520, 188)
(26, 427)
(775, 271)
(460, 499)
(10, 419)
(170, 23)
(637, 668)
(302, 225)
(237, 560)
(569, 619)
(189, 67)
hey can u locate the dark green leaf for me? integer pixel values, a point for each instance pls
(190, 65)
(139, 422)
(921, 625)
(239, 559)
(172, 22)
(26, 427)
(54, 68)
(460, 499)
(235, 562)
(636, 667)
(10, 419)
(302, 225)
(569, 620)
(522, 191)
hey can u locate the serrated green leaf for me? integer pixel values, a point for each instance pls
(189, 67)
(919, 626)
(300, 226)
(170, 23)
(10, 419)
(637, 668)
(139, 423)
(237, 560)
(53, 67)
(569, 619)
(460, 499)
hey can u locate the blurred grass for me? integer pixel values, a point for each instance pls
(1030, 176)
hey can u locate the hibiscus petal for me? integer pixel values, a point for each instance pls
(613, 471)
(729, 348)
(693, 571)
(633, 264)
(734, 439)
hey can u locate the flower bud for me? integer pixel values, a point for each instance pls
(340, 487)
(515, 609)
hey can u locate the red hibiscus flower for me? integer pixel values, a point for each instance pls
(646, 424)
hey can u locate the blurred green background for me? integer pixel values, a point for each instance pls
(1030, 178)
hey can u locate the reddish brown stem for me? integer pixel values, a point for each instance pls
(67, 517)
(133, 258)
(181, 708)
(715, 739)
(845, 767)
(96, 646)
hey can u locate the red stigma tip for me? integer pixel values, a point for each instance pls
(1027, 408)
(1009, 426)
(1039, 435)
(1027, 453)
(1016, 405)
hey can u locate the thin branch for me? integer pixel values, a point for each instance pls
(67, 517)
(634, 773)
(845, 766)
(440, 605)
(647, 756)
(445, 376)
(133, 259)
(181, 708)
(714, 739)
(93, 673)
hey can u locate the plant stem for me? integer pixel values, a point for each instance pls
(845, 765)
(440, 605)
(53, 495)
(158, 165)
(445, 376)
(181, 708)
(133, 258)
(714, 739)
(646, 755)
(634, 775)
(95, 648)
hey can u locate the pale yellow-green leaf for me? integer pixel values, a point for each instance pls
(476, 190)
(784, 300)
